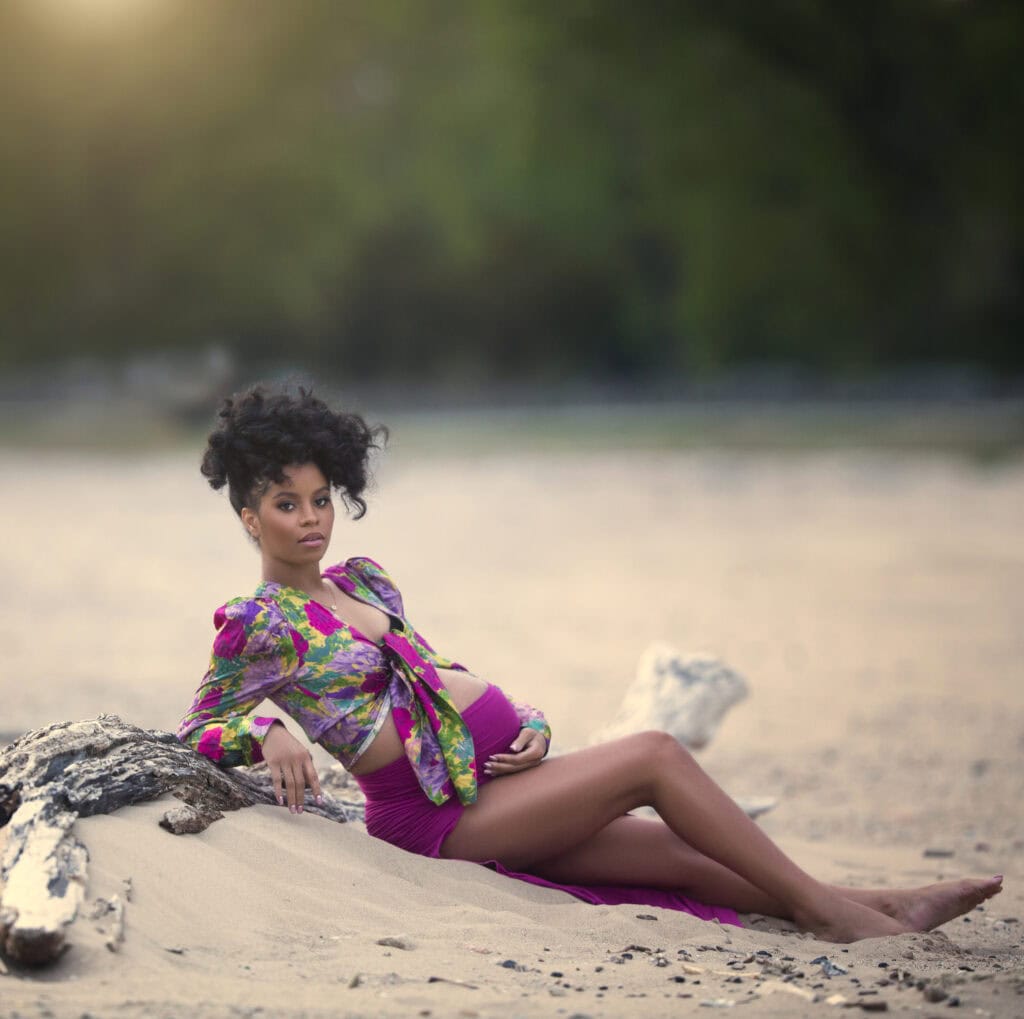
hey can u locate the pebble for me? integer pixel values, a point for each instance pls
(939, 854)
(829, 968)
(934, 993)
(396, 941)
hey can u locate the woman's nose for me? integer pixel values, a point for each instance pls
(309, 513)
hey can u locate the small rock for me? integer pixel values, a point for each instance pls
(646, 916)
(512, 964)
(938, 854)
(397, 941)
(873, 1005)
(828, 968)
(934, 993)
(982, 847)
(954, 1002)
(189, 820)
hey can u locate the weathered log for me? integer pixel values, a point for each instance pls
(685, 696)
(51, 776)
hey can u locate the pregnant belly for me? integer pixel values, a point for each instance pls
(387, 745)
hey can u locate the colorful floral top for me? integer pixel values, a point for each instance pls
(335, 682)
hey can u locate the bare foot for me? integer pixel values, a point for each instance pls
(844, 921)
(922, 909)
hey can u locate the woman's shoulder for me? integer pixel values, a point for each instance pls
(252, 627)
(249, 611)
(371, 574)
(361, 564)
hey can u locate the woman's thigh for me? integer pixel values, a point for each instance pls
(538, 814)
(628, 851)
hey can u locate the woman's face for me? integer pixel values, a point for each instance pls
(294, 519)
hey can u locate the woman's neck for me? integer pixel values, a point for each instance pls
(303, 578)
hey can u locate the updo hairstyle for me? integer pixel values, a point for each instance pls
(260, 433)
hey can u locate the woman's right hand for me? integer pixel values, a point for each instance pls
(291, 768)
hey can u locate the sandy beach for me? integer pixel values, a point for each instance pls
(873, 601)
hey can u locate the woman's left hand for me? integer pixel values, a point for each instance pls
(527, 751)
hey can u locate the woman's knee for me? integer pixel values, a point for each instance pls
(660, 751)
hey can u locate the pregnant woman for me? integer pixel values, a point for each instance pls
(451, 766)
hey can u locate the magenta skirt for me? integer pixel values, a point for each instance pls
(398, 812)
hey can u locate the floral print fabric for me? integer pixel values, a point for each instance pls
(335, 682)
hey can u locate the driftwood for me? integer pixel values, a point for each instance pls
(51, 776)
(685, 696)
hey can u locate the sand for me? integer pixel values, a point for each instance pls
(873, 602)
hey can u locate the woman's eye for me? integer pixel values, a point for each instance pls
(323, 500)
(286, 506)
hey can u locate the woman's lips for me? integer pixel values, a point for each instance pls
(312, 539)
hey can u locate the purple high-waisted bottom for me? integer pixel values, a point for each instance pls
(398, 812)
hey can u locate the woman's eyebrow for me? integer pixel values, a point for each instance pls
(295, 495)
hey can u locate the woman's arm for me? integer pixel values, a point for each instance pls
(254, 653)
(533, 719)
(528, 749)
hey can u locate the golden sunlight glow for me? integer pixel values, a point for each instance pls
(98, 13)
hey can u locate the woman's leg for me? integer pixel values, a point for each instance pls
(644, 851)
(533, 816)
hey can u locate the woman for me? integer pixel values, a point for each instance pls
(449, 765)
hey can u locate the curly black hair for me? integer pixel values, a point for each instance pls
(260, 433)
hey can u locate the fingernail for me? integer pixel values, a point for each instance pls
(319, 800)
(294, 809)
(280, 801)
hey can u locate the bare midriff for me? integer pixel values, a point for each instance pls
(387, 745)
(374, 624)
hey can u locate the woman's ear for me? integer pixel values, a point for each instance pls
(251, 522)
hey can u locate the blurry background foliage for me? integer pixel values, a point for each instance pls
(463, 191)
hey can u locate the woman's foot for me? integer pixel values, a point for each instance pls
(842, 920)
(923, 909)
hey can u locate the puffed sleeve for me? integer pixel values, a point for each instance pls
(379, 581)
(254, 653)
(532, 718)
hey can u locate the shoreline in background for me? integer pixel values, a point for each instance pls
(983, 430)
(169, 399)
